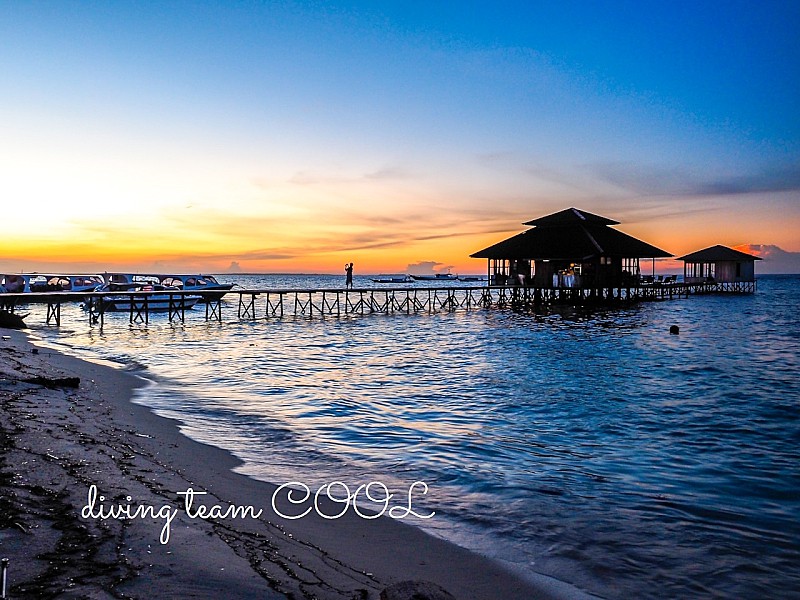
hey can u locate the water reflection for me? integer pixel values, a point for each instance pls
(593, 444)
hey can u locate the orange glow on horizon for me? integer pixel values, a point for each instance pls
(387, 240)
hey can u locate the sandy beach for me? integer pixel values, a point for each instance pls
(89, 490)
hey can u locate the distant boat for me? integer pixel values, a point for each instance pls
(158, 297)
(436, 277)
(399, 279)
(471, 278)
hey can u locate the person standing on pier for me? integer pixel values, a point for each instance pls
(348, 282)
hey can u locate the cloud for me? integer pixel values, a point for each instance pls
(373, 232)
(775, 259)
(312, 178)
(373, 240)
(655, 210)
(425, 267)
(382, 220)
(234, 267)
(780, 179)
(675, 181)
(269, 254)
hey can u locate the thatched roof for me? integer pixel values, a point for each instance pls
(571, 234)
(718, 254)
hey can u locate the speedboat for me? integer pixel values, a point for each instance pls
(198, 283)
(15, 283)
(39, 282)
(205, 285)
(158, 298)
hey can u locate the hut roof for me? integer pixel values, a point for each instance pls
(718, 253)
(570, 216)
(571, 234)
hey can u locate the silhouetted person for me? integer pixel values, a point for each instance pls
(348, 269)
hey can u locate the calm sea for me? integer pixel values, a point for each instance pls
(589, 445)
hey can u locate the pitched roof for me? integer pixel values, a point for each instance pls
(571, 216)
(571, 234)
(718, 253)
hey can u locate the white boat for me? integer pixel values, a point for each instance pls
(157, 298)
(394, 279)
(41, 282)
(198, 283)
(15, 283)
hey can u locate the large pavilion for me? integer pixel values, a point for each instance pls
(571, 248)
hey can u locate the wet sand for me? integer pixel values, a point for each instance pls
(58, 443)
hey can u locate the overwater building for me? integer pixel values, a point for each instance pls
(569, 249)
(721, 267)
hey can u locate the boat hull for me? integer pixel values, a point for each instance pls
(393, 280)
(155, 303)
(205, 286)
(439, 277)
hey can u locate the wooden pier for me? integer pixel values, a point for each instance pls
(255, 304)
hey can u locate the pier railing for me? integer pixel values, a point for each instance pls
(253, 304)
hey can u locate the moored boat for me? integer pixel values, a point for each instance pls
(155, 297)
(394, 279)
(23, 283)
(436, 277)
(471, 278)
(205, 285)
(198, 283)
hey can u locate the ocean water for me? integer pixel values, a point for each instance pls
(590, 445)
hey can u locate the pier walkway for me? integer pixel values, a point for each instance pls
(253, 304)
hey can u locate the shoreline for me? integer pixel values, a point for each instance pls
(96, 435)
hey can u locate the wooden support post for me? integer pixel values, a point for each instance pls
(269, 310)
(274, 309)
(214, 309)
(296, 303)
(177, 307)
(451, 300)
(96, 310)
(147, 310)
(139, 309)
(327, 306)
(247, 309)
(54, 312)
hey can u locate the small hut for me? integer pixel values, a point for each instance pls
(721, 267)
(569, 249)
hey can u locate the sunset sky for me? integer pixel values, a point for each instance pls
(296, 136)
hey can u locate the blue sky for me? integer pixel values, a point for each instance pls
(277, 134)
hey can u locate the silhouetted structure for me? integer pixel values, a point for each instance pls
(723, 268)
(569, 249)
